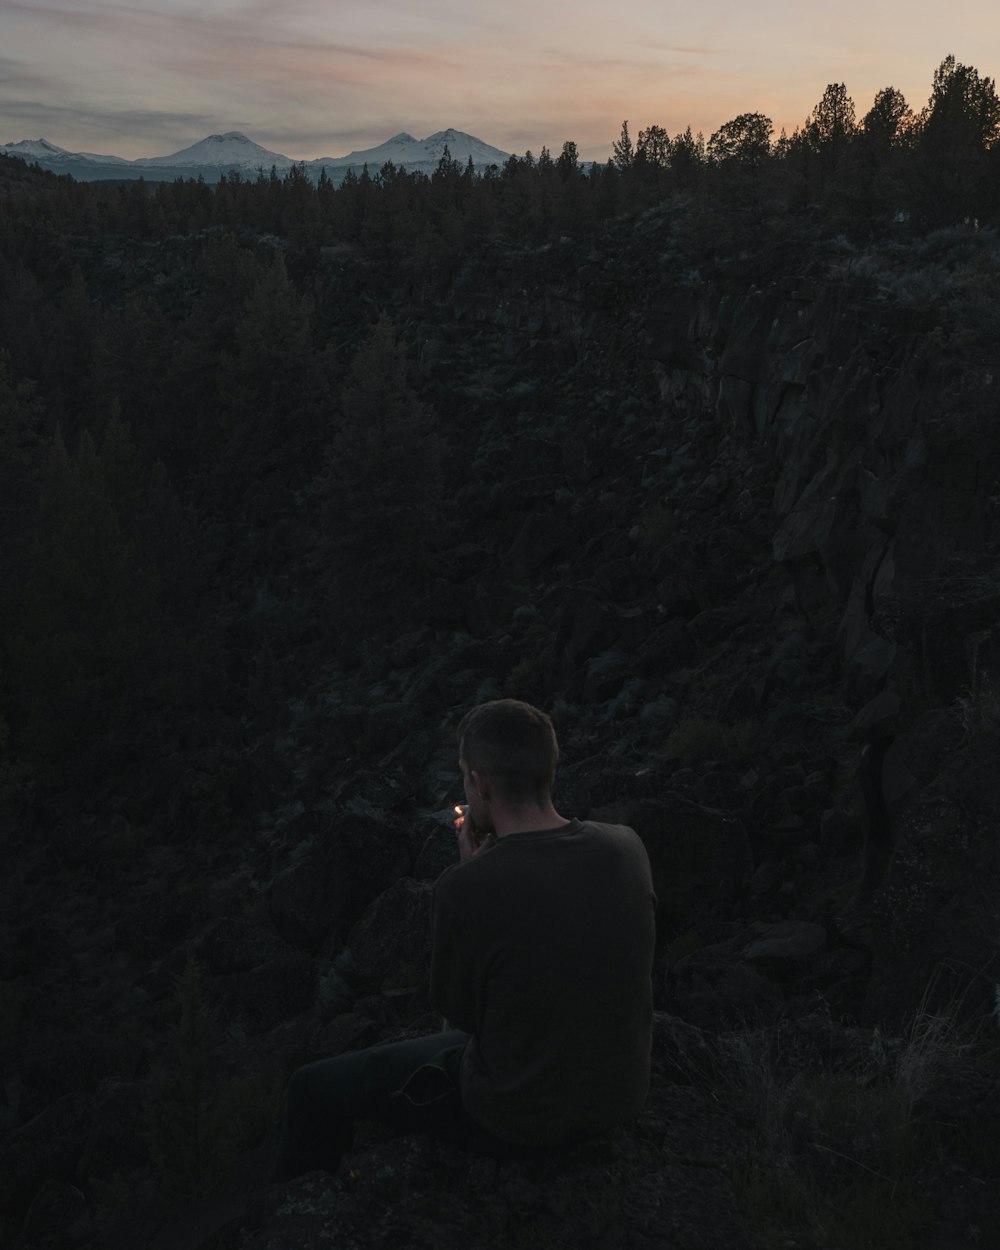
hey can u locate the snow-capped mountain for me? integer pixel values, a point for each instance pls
(217, 155)
(232, 149)
(41, 150)
(403, 149)
(392, 150)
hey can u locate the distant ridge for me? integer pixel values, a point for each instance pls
(403, 149)
(216, 155)
(229, 149)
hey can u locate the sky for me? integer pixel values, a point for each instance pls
(311, 78)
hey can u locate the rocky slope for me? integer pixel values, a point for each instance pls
(757, 588)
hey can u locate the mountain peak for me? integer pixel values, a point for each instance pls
(231, 148)
(34, 145)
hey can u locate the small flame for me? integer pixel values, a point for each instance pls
(459, 815)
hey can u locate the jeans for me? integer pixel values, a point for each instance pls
(410, 1085)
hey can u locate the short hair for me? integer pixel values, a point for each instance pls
(512, 743)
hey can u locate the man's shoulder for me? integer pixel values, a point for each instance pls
(602, 830)
(604, 826)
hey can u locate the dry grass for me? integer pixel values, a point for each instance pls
(980, 710)
(839, 1156)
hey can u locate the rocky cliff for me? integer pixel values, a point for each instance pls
(739, 534)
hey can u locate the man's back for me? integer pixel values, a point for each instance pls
(543, 948)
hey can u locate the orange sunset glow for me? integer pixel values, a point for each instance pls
(312, 79)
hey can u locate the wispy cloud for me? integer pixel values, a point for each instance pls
(319, 77)
(20, 76)
(113, 122)
(680, 49)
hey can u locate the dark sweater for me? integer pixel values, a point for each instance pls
(543, 948)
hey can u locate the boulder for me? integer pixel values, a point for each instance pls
(739, 980)
(544, 536)
(879, 718)
(269, 994)
(790, 941)
(587, 626)
(388, 725)
(48, 1147)
(660, 1184)
(666, 647)
(605, 676)
(65, 1060)
(57, 1219)
(717, 994)
(733, 406)
(235, 945)
(680, 1052)
(391, 942)
(343, 863)
(116, 1132)
(311, 899)
(714, 625)
(350, 1031)
(439, 850)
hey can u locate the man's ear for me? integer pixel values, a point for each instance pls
(482, 783)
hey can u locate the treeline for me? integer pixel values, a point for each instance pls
(936, 166)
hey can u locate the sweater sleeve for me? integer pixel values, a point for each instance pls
(454, 972)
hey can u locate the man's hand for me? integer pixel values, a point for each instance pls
(470, 840)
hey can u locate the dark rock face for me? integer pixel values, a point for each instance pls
(869, 485)
(700, 857)
(935, 913)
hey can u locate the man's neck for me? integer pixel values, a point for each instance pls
(530, 819)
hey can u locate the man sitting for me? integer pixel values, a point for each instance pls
(542, 952)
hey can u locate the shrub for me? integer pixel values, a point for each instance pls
(706, 739)
(195, 1125)
(838, 1155)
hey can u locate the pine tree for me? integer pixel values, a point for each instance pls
(745, 141)
(382, 486)
(83, 615)
(889, 119)
(653, 148)
(957, 132)
(831, 130)
(622, 151)
(568, 161)
(102, 657)
(273, 394)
